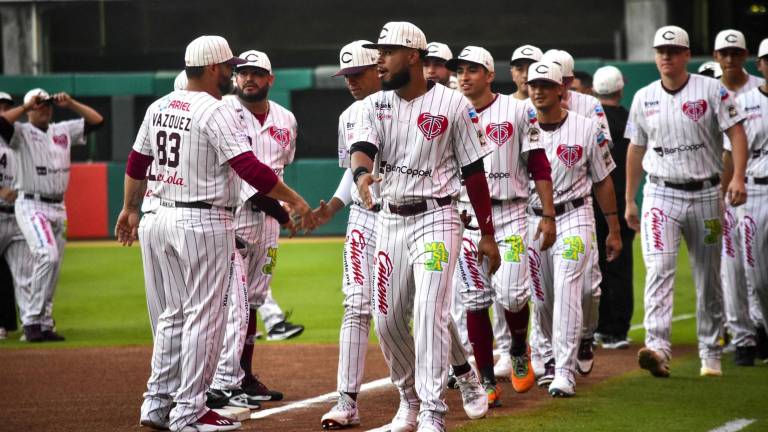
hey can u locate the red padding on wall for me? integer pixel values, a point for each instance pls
(86, 201)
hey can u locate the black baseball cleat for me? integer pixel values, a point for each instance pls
(216, 399)
(284, 330)
(744, 356)
(256, 390)
(762, 344)
(32, 333)
(585, 359)
(52, 336)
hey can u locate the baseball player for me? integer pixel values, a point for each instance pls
(505, 122)
(434, 63)
(521, 59)
(424, 135)
(201, 150)
(42, 151)
(681, 117)
(580, 158)
(587, 106)
(8, 194)
(741, 310)
(755, 212)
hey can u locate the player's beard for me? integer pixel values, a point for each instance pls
(225, 86)
(397, 80)
(259, 96)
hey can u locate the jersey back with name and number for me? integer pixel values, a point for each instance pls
(192, 136)
(682, 130)
(579, 155)
(422, 143)
(44, 157)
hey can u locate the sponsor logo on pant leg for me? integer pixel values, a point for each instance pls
(750, 228)
(534, 266)
(714, 231)
(269, 267)
(516, 249)
(658, 219)
(383, 273)
(574, 245)
(357, 245)
(469, 251)
(728, 226)
(438, 258)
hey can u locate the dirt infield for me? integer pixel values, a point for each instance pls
(99, 389)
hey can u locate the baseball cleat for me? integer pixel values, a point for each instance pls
(585, 359)
(614, 342)
(452, 383)
(284, 330)
(239, 398)
(32, 333)
(711, 367)
(545, 379)
(522, 373)
(258, 391)
(405, 419)
(473, 395)
(744, 356)
(762, 344)
(343, 414)
(493, 391)
(52, 336)
(653, 362)
(212, 422)
(562, 387)
(503, 367)
(215, 398)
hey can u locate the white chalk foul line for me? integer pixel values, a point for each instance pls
(386, 428)
(328, 397)
(681, 317)
(734, 425)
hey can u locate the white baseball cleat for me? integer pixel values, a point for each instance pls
(405, 419)
(503, 367)
(473, 395)
(711, 367)
(343, 414)
(562, 387)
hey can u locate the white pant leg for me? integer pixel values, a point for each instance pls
(229, 374)
(16, 252)
(590, 301)
(153, 276)
(270, 311)
(755, 244)
(541, 272)
(734, 281)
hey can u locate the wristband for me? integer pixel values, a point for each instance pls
(359, 171)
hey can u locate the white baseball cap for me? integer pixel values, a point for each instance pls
(35, 92)
(545, 71)
(439, 50)
(355, 58)
(717, 71)
(671, 36)
(607, 80)
(560, 58)
(730, 39)
(180, 82)
(255, 59)
(209, 50)
(400, 33)
(5, 97)
(763, 50)
(526, 52)
(472, 54)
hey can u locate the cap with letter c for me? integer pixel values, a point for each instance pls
(439, 50)
(526, 52)
(730, 39)
(402, 34)
(545, 71)
(256, 59)
(472, 54)
(560, 58)
(209, 50)
(672, 36)
(355, 58)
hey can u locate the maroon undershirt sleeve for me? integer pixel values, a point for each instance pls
(271, 207)
(480, 197)
(254, 172)
(136, 167)
(538, 165)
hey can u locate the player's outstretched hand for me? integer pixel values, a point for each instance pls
(364, 187)
(613, 246)
(487, 248)
(737, 192)
(127, 227)
(547, 230)
(304, 218)
(291, 227)
(631, 216)
(323, 213)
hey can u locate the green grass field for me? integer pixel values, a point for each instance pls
(101, 302)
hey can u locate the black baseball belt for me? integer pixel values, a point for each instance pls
(43, 198)
(757, 180)
(691, 186)
(562, 208)
(8, 210)
(193, 205)
(417, 207)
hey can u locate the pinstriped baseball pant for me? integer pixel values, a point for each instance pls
(734, 280)
(413, 270)
(44, 228)
(755, 244)
(229, 374)
(260, 234)
(194, 248)
(668, 215)
(19, 258)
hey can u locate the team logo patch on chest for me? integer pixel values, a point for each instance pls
(61, 140)
(499, 133)
(432, 125)
(569, 155)
(695, 109)
(280, 135)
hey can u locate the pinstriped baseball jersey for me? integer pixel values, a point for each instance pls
(683, 129)
(755, 106)
(192, 135)
(422, 143)
(347, 122)
(151, 202)
(578, 154)
(753, 82)
(7, 170)
(44, 156)
(589, 107)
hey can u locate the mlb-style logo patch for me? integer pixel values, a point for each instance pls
(280, 135)
(569, 155)
(473, 115)
(695, 110)
(431, 125)
(499, 133)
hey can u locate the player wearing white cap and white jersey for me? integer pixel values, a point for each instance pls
(434, 63)
(681, 118)
(742, 313)
(521, 58)
(202, 151)
(423, 134)
(505, 122)
(581, 161)
(42, 151)
(754, 215)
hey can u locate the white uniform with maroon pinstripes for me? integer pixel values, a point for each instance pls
(754, 213)
(13, 247)
(742, 311)
(579, 155)
(191, 136)
(683, 136)
(43, 170)
(421, 144)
